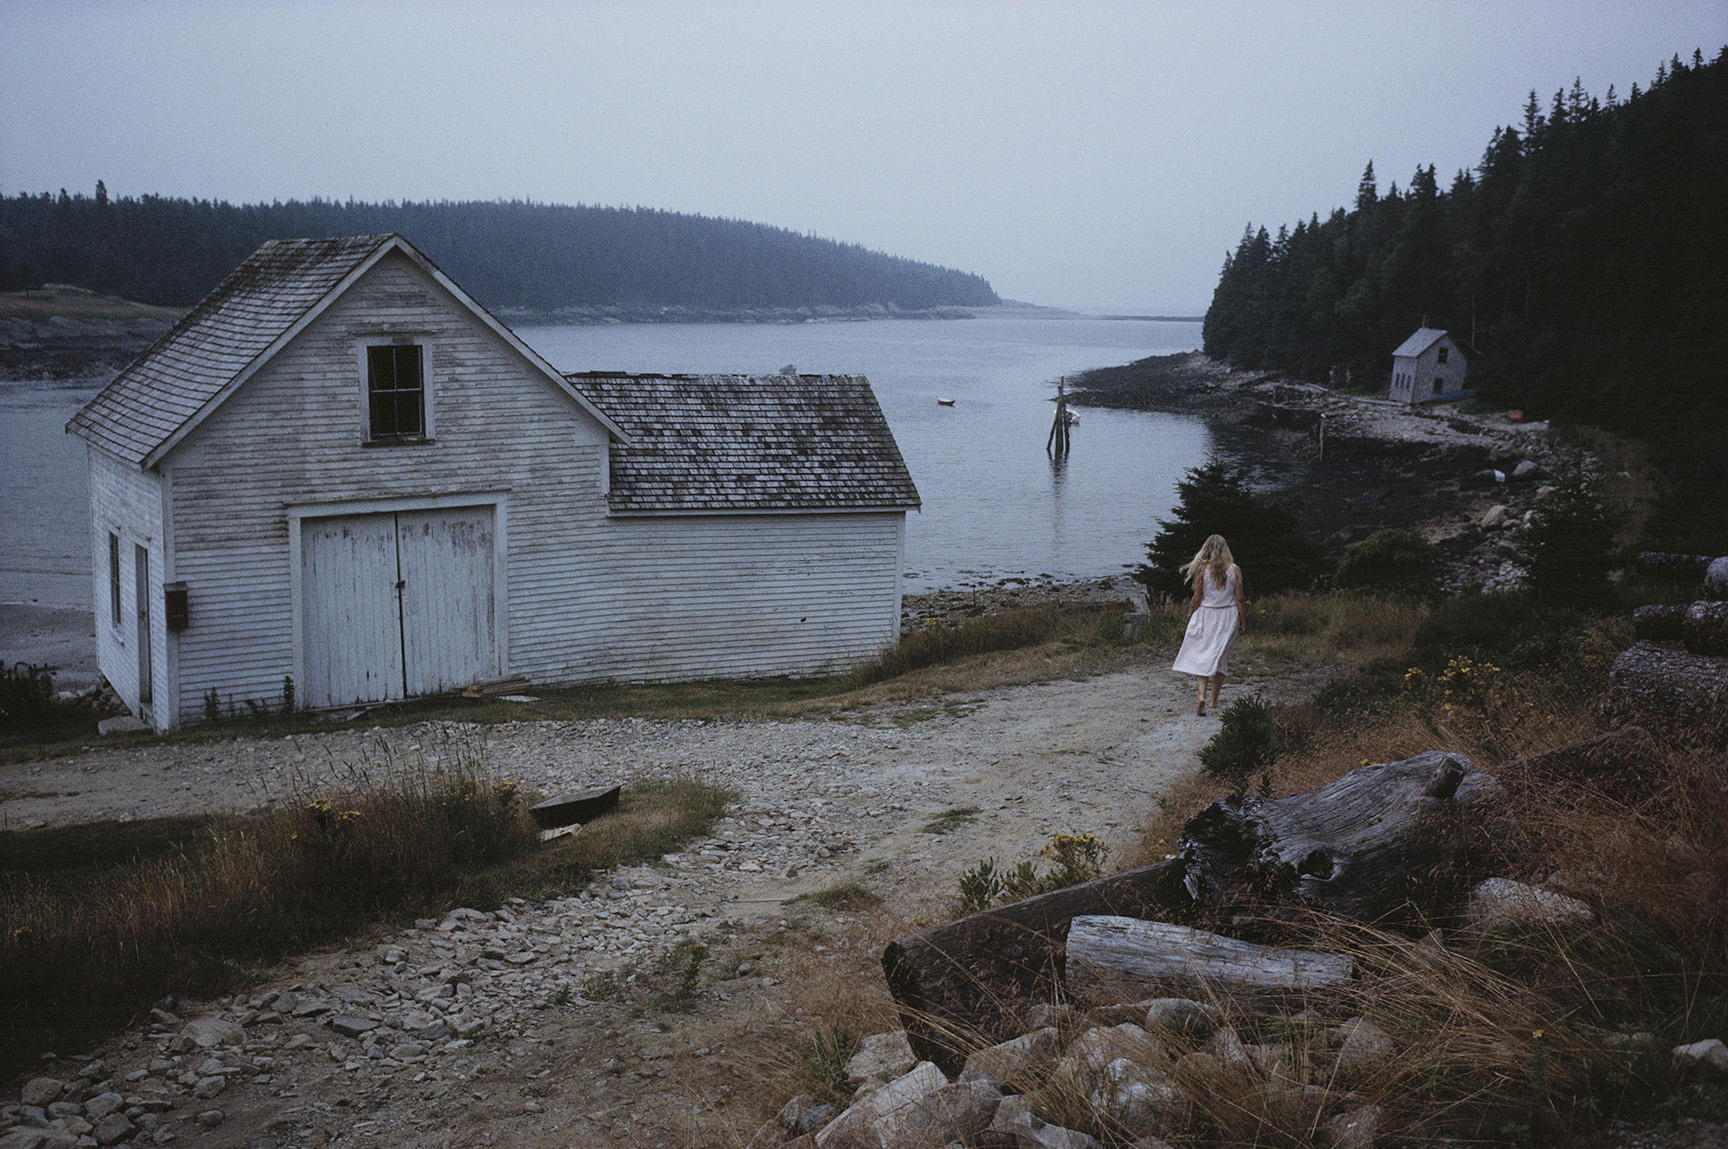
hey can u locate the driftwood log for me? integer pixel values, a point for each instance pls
(1659, 622)
(1713, 570)
(1375, 845)
(1674, 565)
(972, 979)
(1702, 626)
(1621, 757)
(1672, 692)
(1111, 959)
(1367, 846)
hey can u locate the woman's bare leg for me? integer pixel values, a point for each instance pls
(1217, 685)
(1200, 682)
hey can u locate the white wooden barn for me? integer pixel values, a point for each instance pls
(339, 470)
(1428, 366)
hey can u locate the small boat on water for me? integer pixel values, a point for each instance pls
(944, 402)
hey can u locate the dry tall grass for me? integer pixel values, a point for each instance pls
(1527, 1039)
(84, 951)
(944, 643)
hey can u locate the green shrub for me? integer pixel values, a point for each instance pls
(1369, 690)
(1247, 743)
(1571, 543)
(1075, 858)
(1391, 562)
(823, 1069)
(1511, 628)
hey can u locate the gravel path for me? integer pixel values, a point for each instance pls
(450, 1032)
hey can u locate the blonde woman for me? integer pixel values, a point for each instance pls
(1215, 617)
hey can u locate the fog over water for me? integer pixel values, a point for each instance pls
(995, 504)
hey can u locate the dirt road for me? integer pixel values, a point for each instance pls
(490, 1028)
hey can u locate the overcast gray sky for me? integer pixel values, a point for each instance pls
(1101, 155)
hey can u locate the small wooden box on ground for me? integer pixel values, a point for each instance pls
(581, 806)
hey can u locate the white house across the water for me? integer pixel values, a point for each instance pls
(1428, 366)
(339, 471)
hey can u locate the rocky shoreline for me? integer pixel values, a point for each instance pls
(1466, 482)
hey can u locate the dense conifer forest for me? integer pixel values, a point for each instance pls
(1585, 259)
(530, 256)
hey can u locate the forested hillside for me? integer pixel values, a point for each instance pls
(536, 257)
(1586, 259)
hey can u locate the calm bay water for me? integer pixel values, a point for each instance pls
(995, 504)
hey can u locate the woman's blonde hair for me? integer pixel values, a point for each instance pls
(1213, 555)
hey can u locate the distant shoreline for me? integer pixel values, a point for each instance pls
(614, 313)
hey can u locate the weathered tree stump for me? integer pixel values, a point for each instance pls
(971, 980)
(1111, 959)
(1674, 693)
(1375, 845)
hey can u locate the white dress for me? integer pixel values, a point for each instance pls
(1211, 629)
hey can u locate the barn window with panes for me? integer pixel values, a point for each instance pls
(396, 392)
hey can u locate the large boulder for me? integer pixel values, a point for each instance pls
(1708, 1058)
(1181, 1017)
(1019, 1063)
(1015, 1126)
(209, 1031)
(918, 1108)
(880, 1057)
(42, 1091)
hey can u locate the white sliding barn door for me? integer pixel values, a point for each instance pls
(447, 598)
(397, 604)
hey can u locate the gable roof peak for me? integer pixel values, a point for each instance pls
(1424, 338)
(159, 397)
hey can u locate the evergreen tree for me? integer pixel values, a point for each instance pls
(1582, 261)
(1571, 543)
(508, 254)
(1214, 499)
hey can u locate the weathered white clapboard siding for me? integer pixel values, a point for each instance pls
(127, 502)
(739, 596)
(293, 438)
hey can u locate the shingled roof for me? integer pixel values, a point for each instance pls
(1422, 340)
(263, 303)
(715, 443)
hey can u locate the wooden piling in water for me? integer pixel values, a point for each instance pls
(1057, 443)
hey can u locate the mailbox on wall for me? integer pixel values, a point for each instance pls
(178, 609)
